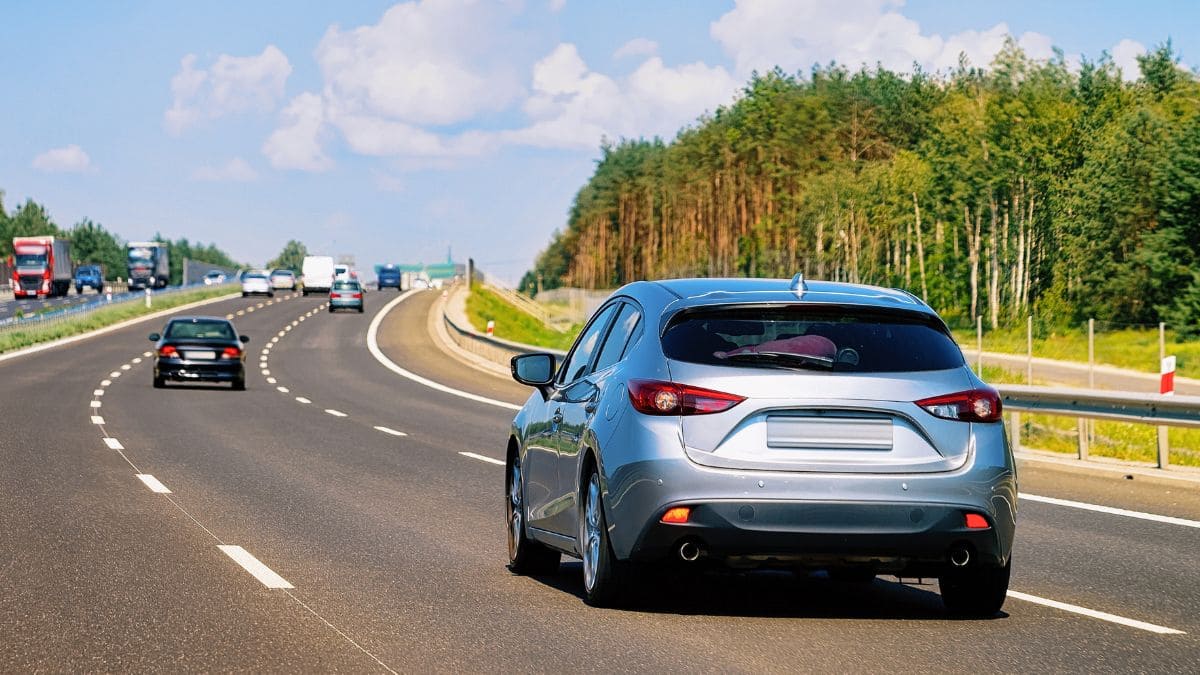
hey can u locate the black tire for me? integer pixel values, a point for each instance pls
(852, 575)
(977, 592)
(614, 580)
(239, 384)
(360, 309)
(525, 556)
(160, 383)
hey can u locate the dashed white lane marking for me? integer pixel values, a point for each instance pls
(295, 323)
(113, 444)
(147, 354)
(125, 366)
(373, 347)
(281, 334)
(271, 380)
(1103, 616)
(266, 352)
(228, 316)
(95, 404)
(390, 431)
(256, 569)
(262, 358)
(137, 360)
(282, 390)
(302, 399)
(241, 312)
(259, 305)
(98, 392)
(336, 413)
(153, 483)
(105, 383)
(115, 374)
(489, 460)
(250, 309)
(265, 371)
(300, 319)
(96, 419)
(276, 338)
(1171, 520)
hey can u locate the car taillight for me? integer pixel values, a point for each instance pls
(356, 296)
(168, 350)
(974, 405)
(653, 397)
(231, 353)
(974, 521)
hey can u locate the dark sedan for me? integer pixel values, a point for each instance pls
(199, 349)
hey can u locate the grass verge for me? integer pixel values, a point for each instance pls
(1132, 348)
(30, 335)
(512, 323)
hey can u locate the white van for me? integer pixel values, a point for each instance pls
(341, 272)
(318, 273)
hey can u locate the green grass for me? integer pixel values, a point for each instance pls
(1132, 348)
(514, 324)
(1117, 440)
(31, 335)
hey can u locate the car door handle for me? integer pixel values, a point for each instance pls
(558, 417)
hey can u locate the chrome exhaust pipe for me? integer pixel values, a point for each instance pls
(689, 551)
(959, 557)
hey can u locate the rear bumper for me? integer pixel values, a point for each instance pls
(898, 537)
(199, 371)
(337, 303)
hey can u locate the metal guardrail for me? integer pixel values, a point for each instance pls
(58, 315)
(523, 303)
(1091, 404)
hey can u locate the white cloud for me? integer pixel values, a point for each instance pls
(796, 34)
(1124, 56)
(235, 170)
(572, 106)
(233, 84)
(297, 143)
(67, 159)
(636, 47)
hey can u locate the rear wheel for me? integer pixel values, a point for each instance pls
(159, 383)
(525, 556)
(606, 580)
(975, 591)
(240, 384)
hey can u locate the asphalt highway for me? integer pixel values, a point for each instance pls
(369, 542)
(9, 306)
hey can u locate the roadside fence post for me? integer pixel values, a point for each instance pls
(1014, 431)
(1029, 351)
(1164, 441)
(1083, 438)
(147, 296)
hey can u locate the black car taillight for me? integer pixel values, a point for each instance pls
(652, 397)
(973, 405)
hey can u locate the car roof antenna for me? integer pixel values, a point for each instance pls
(798, 284)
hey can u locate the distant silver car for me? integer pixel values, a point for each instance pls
(759, 422)
(284, 280)
(256, 283)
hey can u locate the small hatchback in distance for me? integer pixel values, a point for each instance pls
(199, 349)
(89, 276)
(812, 426)
(256, 283)
(283, 280)
(346, 295)
(388, 277)
(214, 278)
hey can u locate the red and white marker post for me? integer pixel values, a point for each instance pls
(491, 328)
(1166, 371)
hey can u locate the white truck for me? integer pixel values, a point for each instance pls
(318, 273)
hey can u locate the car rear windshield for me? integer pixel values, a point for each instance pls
(843, 340)
(345, 286)
(200, 330)
(259, 277)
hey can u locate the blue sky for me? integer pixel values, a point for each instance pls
(394, 131)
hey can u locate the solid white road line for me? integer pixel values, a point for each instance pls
(96, 419)
(152, 483)
(1171, 520)
(373, 347)
(1103, 616)
(256, 569)
(336, 413)
(481, 458)
(113, 444)
(302, 399)
(390, 431)
(95, 404)
(282, 390)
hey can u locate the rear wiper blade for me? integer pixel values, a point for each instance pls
(785, 359)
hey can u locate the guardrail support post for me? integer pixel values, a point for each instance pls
(1082, 427)
(1163, 447)
(1014, 431)
(147, 296)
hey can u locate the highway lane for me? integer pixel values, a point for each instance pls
(10, 306)
(397, 541)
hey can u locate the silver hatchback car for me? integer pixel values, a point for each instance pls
(763, 423)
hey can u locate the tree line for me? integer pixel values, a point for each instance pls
(1026, 188)
(91, 243)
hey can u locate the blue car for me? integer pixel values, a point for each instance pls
(388, 277)
(90, 276)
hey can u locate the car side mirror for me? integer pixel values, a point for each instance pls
(244, 338)
(155, 337)
(533, 370)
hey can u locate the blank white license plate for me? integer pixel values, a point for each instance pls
(829, 433)
(206, 355)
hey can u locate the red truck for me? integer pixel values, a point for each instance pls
(41, 267)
